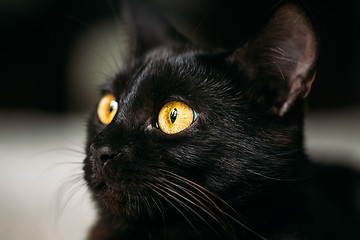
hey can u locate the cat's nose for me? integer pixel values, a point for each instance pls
(102, 154)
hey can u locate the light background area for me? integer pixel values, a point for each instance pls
(42, 194)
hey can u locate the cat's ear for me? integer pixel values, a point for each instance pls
(146, 28)
(281, 59)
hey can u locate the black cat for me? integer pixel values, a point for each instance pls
(188, 143)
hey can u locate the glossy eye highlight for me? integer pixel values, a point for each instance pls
(107, 108)
(175, 116)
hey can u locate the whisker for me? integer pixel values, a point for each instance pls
(201, 190)
(69, 163)
(202, 206)
(277, 179)
(246, 227)
(160, 210)
(190, 192)
(279, 69)
(80, 145)
(70, 187)
(138, 202)
(57, 149)
(173, 205)
(147, 204)
(185, 206)
(209, 200)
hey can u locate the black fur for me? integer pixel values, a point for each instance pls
(238, 172)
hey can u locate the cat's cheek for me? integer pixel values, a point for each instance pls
(90, 174)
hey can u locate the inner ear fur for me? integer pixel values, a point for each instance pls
(281, 59)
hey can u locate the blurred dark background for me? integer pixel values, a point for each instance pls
(38, 36)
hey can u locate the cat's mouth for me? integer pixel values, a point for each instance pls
(134, 201)
(120, 191)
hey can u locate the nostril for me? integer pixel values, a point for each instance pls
(102, 154)
(104, 158)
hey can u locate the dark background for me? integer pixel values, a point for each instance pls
(37, 35)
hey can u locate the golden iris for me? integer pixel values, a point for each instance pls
(107, 108)
(175, 116)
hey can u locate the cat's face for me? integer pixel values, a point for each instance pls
(188, 124)
(228, 136)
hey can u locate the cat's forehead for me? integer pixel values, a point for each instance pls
(160, 65)
(162, 75)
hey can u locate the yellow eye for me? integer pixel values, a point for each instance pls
(107, 108)
(175, 117)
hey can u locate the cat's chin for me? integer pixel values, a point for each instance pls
(131, 204)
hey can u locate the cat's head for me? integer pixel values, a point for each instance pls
(180, 123)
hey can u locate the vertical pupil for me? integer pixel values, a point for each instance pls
(173, 115)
